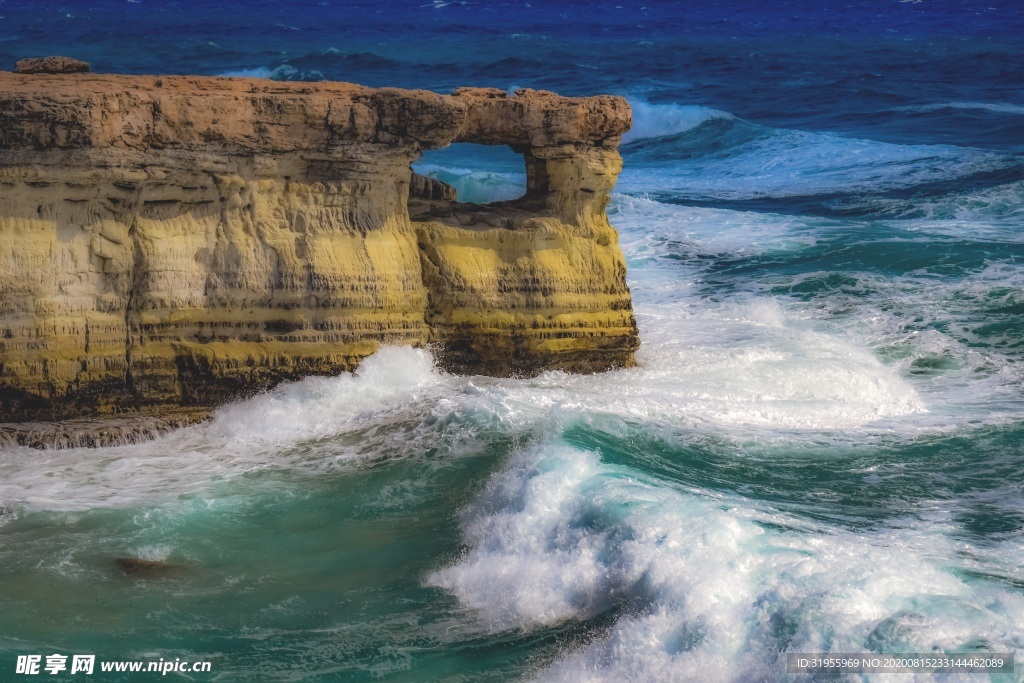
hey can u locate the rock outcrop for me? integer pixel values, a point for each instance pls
(147, 569)
(180, 241)
(51, 65)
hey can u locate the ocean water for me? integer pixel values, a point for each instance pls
(821, 450)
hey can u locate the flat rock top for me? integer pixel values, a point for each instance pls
(94, 83)
(98, 110)
(51, 65)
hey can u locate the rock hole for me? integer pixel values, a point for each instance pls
(480, 174)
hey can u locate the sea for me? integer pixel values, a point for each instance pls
(821, 449)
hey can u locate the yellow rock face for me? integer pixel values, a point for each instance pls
(182, 241)
(535, 284)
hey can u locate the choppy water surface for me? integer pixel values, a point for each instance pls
(822, 448)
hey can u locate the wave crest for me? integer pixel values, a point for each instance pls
(661, 120)
(994, 107)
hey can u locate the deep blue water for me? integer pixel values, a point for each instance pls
(822, 210)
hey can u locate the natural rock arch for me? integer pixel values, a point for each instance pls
(179, 241)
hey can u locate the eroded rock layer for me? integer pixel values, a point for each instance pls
(180, 241)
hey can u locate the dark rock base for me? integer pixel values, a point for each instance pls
(94, 432)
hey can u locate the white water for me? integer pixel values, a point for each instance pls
(246, 436)
(708, 593)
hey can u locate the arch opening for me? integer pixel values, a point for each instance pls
(479, 174)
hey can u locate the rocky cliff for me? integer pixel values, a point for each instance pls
(179, 241)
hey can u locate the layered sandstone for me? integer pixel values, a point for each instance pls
(179, 241)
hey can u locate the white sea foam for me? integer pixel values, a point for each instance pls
(245, 436)
(280, 73)
(879, 315)
(929, 331)
(997, 211)
(321, 406)
(708, 591)
(258, 72)
(659, 120)
(743, 365)
(650, 229)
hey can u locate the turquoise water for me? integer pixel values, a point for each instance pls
(822, 448)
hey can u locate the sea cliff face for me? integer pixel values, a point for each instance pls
(180, 241)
